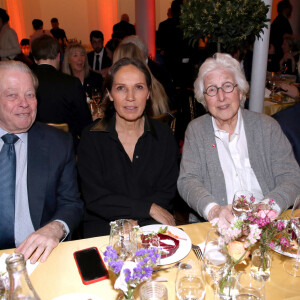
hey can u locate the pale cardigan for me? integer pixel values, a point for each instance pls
(9, 45)
(201, 180)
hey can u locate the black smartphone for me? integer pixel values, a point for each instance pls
(90, 265)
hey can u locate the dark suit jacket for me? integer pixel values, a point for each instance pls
(289, 120)
(61, 99)
(52, 178)
(122, 29)
(106, 61)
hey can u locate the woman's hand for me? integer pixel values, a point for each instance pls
(291, 90)
(161, 215)
(224, 213)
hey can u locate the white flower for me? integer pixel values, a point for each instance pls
(120, 283)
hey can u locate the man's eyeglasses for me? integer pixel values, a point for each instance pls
(227, 87)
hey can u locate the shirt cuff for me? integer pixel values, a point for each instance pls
(65, 229)
(208, 208)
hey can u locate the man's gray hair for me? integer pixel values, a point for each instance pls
(17, 65)
(138, 42)
(221, 61)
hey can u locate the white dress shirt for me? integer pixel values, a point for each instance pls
(235, 162)
(100, 56)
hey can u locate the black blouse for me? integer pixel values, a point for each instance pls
(115, 187)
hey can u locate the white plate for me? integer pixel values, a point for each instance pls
(77, 296)
(279, 250)
(185, 243)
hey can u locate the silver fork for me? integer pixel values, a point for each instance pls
(197, 251)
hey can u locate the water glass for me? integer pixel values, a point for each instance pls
(242, 203)
(292, 267)
(123, 238)
(249, 288)
(190, 281)
(153, 290)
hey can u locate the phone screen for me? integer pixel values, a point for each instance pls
(90, 265)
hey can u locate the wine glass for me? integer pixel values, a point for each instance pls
(293, 266)
(214, 257)
(123, 238)
(242, 203)
(190, 282)
(248, 287)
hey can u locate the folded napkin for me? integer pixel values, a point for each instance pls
(213, 254)
(4, 274)
(267, 93)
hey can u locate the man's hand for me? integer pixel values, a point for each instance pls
(161, 215)
(41, 243)
(224, 213)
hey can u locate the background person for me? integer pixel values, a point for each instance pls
(39, 200)
(76, 63)
(127, 162)
(233, 149)
(9, 44)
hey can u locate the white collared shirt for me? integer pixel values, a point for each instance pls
(100, 56)
(235, 162)
(23, 223)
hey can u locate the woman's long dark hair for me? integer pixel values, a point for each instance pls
(108, 106)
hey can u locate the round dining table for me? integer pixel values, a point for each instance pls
(59, 275)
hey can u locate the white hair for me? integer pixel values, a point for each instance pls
(17, 65)
(138, 42)
(221, 61)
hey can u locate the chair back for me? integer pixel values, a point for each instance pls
(61, 126)
(169, 118)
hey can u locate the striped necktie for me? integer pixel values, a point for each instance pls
(7, 191)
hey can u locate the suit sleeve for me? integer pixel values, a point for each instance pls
(69, 207)
(82, 114)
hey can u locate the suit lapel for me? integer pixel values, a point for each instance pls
(37, 173)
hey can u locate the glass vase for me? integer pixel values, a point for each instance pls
(261, 263)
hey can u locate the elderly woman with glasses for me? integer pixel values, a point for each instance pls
(231, 149)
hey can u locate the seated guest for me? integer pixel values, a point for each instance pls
(130, 50)
(9, 44)
(289, 120)
(159, 72)
(98, 59)
(290, 56)
(38, 182)
(111, 46)
(75, 63)
(127, 162)
(61, 98)
(231, 149)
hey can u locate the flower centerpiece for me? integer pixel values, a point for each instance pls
(131, 273)
(228, 22)
(261, 225)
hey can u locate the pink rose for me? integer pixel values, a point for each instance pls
(270, 213)
(236, 250)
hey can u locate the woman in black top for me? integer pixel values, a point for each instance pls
(127, 162)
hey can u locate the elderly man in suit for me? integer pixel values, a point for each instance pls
(98, 59)
(38, 183)
(61, 98)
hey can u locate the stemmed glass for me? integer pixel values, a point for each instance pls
(96, 99)
(190, 282)
(214, 257)
(123, 238)
(248, 287)
(242, 203)
(293, 266)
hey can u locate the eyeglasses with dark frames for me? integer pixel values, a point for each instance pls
(226, 87)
